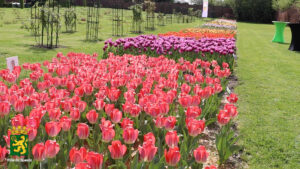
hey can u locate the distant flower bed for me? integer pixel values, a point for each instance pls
(219, 49)
(221, 24)
(202, 33)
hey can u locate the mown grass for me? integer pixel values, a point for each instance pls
(269, 98)
(15, 41)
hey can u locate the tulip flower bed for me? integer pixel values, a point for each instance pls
(120, 112)
(219, 49)
(202, 33)
(221, 24)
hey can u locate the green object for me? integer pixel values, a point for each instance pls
(278, 37)
(19, 145)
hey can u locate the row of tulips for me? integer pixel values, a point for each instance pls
(219, 49)
(120, 112)
(199, 33)
(221, 24)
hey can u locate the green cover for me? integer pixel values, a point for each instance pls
(279, 36)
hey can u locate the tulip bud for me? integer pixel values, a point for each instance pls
(200, 154)
(117, 150)
(51, 148)
(83, 131)
(172, 156)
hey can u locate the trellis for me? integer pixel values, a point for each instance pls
(169, 19)
(160, 19)
(34, 19)
(150, 14)
(137, 19)
(92, 24)
(46, 23)
(117, 19)
(70, 16)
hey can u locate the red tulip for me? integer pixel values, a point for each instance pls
(114, 94)
(79, 91)
(223, 117)
(52, 128)
(105, 124)
(147, 151)
(99, 104)
(51, 148)
(95, 160)
(172, 156)
(4, 108)
(160, 121)
(3, 152)
(54, 114)
(32, 134)
(77, 156)
(82, 165)
(231, 109)
(185, 88)
(135, 110)
(65, 123)
(195, 127)
(232, 98)
(7, 138)
(116, 116)
(152, 109)
(107, 134)
(71, 86)
(149, 137)
(210, 167)
(109, 108)
(66, 105)
(225, 65)
(185, 101)
(83, 131)
(88, 89)
(130, 135)
(130, 96)
(172, 139)
(126, 123)
(117, 150)
(92, 116)
(19, 105)
(218, 88)
(39, 152)
(75, 114)
(193, 112)
(81, 105)
(18, 120)
(170, 122)
(200, 154)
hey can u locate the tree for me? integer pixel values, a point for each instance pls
(281, 5)
(1, 3)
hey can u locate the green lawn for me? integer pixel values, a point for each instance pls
(15, 41)
(269, 98)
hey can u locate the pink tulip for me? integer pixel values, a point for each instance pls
(92, 116)
(172, 156)
(130, 135)
(147, 151)
(83, 131)
(172, 139)
(117, 150)
(200, 154)
(51, 148)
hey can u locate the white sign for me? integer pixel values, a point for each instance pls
(12, 62)
(205, 9)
